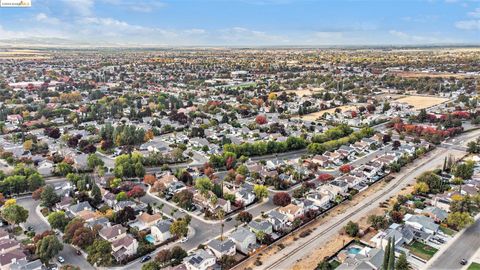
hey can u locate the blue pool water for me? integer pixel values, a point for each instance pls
(150, 238)
(353, 250)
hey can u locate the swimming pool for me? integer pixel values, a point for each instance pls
(150, 238)
(354, 250)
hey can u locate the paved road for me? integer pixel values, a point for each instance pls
(40, 225)
(464, 247)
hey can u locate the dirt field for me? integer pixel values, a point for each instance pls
(305, 92)
(314, 116)
(412, 74)
(23, 54)
(421, 102)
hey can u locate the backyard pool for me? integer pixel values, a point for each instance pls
(150, 238)
(354, 250)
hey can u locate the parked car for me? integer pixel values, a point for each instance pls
(146, 258)
(463, 262)
(185, 239)
(60, 259)
(228, 219)
(78, 252)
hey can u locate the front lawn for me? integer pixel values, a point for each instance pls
(421, 250)
(474, 266)
(447, 230)
(334, 264)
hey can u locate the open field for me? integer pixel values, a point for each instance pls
(314, 116)
(23, 54)
(416, 74)
(421, 102)
(305, 92)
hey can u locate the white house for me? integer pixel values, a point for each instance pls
(200, 260)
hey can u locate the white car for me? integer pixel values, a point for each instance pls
(185, 239)
(60, 259)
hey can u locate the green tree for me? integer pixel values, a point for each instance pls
(386, 255)
(152, 265)
(96, 194)
(93, 161)
(179, 228)
(58, 220)
(178, 254)
(260, 191)
(14, 214)
(391, 254)
(464, 170)
(352, 228)
(63, 168)
(203, 184)
(49, 198)
(35, 181)
(434, 182)
(99, 253)
(48, 247)
(459, 220)
(121, 196)
(402, 263)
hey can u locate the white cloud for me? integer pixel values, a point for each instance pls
(44, 18)
(475, 13)
(241, 36)
(468, 25)
(410, 38)
(81, 7)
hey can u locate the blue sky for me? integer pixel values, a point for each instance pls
(246, 22)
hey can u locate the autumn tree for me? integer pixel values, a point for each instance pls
(83, 237)
(281, 199)
(149, 179)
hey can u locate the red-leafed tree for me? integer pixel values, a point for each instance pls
(37, 193)
(136, 192)
(261, 119)
(230, 162)
(325, 177)
(244, 216)
(281, 199)
(149, 179)
(354, 114)
(346, 168)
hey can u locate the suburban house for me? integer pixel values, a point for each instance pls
(245, 241)
(320, 199)
(260, 226)
(222, 248)
(124, 247)
(161, 231)
(76, 208)
(113, 233)
(367, 258)
(435, 213)
(292, 211)
(421, 223)
(145, 220)
(277, 219)
(402, 234)
(199, 260)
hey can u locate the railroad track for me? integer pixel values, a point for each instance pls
(347, 217)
